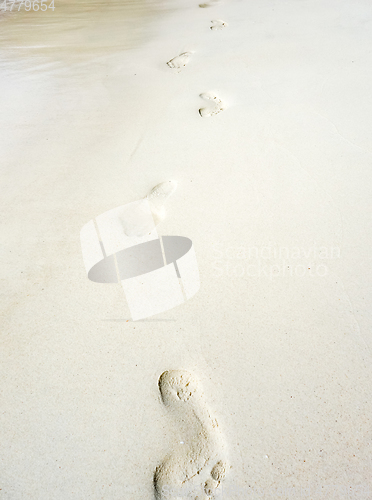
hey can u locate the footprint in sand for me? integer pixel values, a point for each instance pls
(136, 221)
(197, 465)
(216, 107)
(218, 24)
(157, 198)
(180, 61)
(211, 3)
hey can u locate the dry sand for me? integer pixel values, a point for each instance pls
(274, 189)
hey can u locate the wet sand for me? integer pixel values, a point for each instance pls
(76, 31)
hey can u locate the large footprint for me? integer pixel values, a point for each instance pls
(197, 465)
(216, 105)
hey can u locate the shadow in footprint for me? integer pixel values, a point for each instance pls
(180, 61)
(218, 24)
(216, 105)
(211, 3)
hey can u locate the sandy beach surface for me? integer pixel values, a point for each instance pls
(259, 386)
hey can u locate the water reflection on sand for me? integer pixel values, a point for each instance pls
(75, 31)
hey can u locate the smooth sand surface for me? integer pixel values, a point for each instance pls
(275, 192)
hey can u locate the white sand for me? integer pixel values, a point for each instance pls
(94, 120)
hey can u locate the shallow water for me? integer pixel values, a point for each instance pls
(75, 31)
(58, 69)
